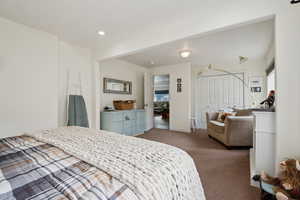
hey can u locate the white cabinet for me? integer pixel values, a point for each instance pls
(262, 155)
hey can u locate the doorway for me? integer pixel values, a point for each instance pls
(161, 97)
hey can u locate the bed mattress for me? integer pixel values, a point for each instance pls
(30, 169)
(82, 163)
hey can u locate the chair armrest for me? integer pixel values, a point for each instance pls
(211, 116)
(239, 129)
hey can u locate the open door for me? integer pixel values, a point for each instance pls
(148, 99)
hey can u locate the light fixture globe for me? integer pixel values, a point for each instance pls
(185, 53)
(101, 33)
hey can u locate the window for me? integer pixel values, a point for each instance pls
(271, 77)
(271, 81)
(161, 96)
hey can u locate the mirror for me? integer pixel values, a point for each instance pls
(116, 86)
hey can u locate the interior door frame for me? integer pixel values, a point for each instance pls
(153, 92)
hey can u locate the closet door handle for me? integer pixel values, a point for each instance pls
(127, 118)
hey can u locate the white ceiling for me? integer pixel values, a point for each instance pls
(222, 48)
(78, 21)
(134, 24)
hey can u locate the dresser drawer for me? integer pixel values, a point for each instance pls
(111, 116)
(117, 127)
(129, 127)
(116, 117)
(129, 116)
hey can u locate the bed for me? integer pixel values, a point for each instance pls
(82, 163)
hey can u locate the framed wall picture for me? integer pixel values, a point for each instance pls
(256, 84)
(179, 85)
(117, 86)
(256, 89)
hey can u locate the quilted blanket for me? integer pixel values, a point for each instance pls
(80, 163)
(152, 170)
(34, 170)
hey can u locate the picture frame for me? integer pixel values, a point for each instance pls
(115, 86)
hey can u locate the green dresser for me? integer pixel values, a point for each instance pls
(127, 122)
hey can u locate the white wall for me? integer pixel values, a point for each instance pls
(28, 79)
(180, 103)
(33, 78)
(73, 63)
(122, 70)
(288, 81)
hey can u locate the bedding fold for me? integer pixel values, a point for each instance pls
(152, 170)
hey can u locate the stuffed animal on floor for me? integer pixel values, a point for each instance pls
(287, 185)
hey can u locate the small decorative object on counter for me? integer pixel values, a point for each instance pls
(109, 108)
(269, 102)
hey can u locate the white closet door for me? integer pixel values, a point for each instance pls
(214, 93)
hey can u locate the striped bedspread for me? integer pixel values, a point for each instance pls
(30, 169)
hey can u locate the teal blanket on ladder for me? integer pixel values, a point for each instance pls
(77, 113)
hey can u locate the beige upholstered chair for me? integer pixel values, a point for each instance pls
(236, 131)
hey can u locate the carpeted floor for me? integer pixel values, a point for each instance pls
(224, 173)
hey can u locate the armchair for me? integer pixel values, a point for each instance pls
(235, 131)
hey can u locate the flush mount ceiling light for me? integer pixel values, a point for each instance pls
(102, 33)
(185, 53)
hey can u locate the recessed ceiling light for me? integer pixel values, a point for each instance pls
(185, 53)
(102, 33)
